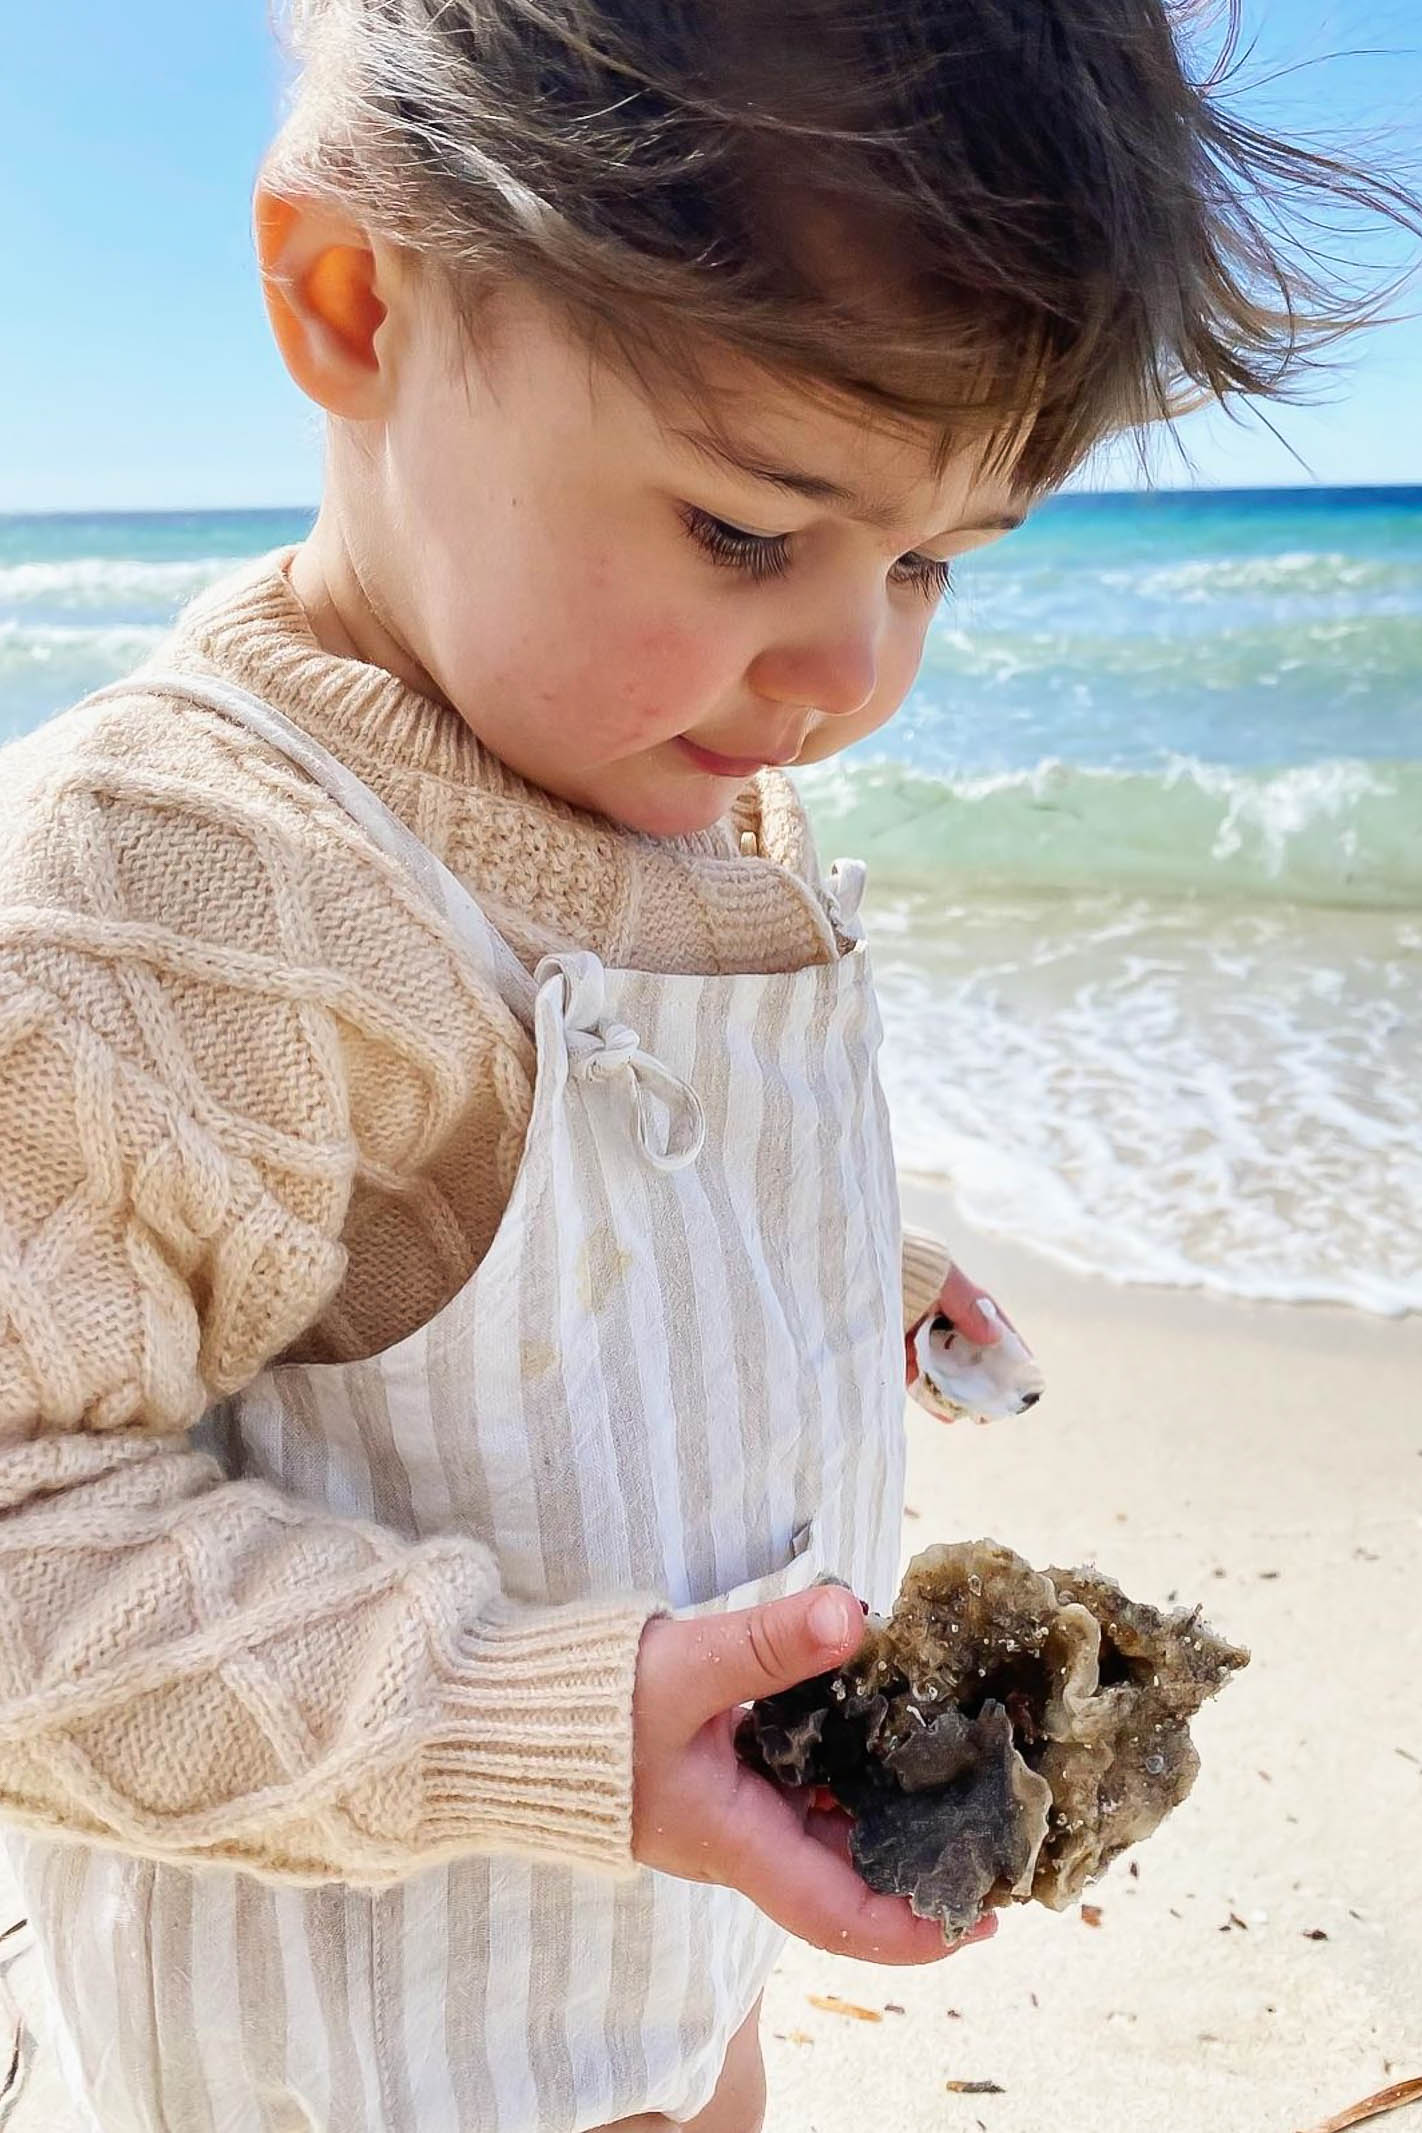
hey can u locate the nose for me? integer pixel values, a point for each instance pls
(832, 669)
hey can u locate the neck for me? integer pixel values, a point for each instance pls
(343, 609)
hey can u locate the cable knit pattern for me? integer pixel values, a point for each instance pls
(254, 1104)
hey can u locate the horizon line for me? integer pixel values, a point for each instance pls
(1060, 496)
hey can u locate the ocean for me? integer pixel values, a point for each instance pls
(1145, 849)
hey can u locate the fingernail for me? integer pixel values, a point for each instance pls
(828, 1622)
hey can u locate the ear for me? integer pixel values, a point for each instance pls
(322, 280)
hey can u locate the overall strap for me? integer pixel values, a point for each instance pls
(572, 983)
(490, 951)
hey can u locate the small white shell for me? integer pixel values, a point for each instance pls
(959, 1378)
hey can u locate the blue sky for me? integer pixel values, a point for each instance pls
(135, 366)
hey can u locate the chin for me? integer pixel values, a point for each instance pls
(682, 813)
(648, 795)
(687, 820)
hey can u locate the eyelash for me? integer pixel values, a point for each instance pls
(765, 556)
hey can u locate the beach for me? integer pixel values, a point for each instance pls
(1260, 1970)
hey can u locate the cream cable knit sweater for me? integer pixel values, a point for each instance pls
(251, 1107)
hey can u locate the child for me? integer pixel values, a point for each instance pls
(449, 1253)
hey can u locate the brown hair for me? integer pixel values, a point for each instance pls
(1031, 222)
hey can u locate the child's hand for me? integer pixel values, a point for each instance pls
(958, 1303)
(700, 1813)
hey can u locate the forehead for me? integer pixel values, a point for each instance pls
(594, 399)
(756, 426)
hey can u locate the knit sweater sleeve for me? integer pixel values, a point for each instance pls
(927, 1264)
(195, 1667)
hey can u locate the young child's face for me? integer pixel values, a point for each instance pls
(577, 577)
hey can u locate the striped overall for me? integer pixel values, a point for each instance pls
(679, 1368)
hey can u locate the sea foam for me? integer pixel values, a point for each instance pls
(1334, 832)
(113, 584)
(1225, 1100)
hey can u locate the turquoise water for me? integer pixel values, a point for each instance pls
(1217, 695)
(1146, 843)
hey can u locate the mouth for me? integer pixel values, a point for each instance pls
(728, 766)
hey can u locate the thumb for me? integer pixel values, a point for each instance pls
(970, 1309)
(982, 1327)
(761, 1650)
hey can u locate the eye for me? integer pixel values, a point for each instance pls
(932, 575)
(760, 555)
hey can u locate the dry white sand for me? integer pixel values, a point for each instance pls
(1267, 1461)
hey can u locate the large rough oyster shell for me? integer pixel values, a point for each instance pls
(1003, 1734)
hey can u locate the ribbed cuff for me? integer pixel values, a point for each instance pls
(927, 1265)
(535, 1755)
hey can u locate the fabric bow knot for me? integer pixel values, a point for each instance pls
(611, 1048)
(573, 989)
(617, 1047)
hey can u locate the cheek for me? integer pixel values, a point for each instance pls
(648, 678)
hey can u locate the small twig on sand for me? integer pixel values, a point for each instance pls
(1385, 2100)
(831, 2003)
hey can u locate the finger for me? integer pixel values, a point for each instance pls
(974, 1323)
(985, 1929)
(962, 1302)
(832, 1828)
(757, 1651)
(816, 1895)
(999, 1318)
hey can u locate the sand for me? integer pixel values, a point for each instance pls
(1266, 1460)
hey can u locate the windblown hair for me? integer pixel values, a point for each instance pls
(1028, 222)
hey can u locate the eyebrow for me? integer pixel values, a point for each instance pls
(819, 490)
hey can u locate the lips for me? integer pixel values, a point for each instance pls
(729, 766)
